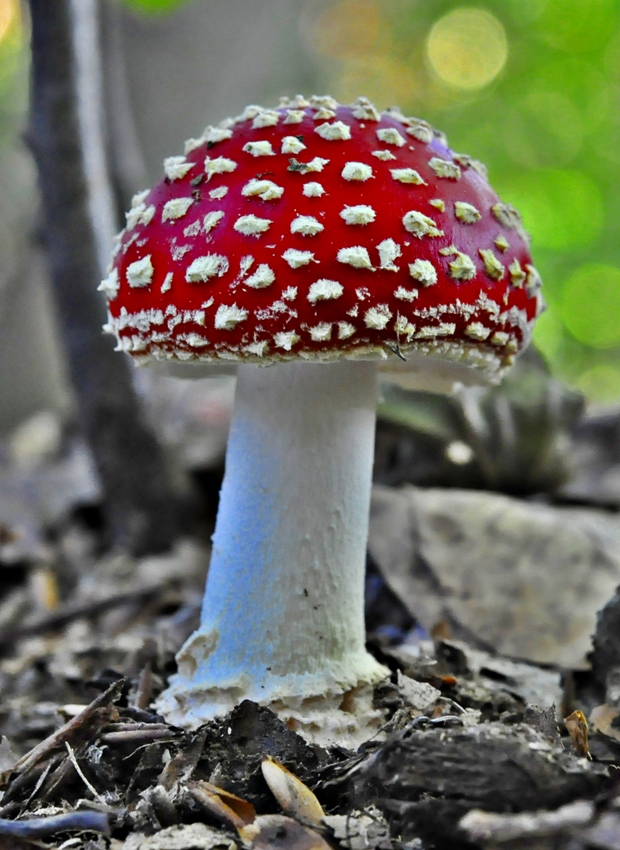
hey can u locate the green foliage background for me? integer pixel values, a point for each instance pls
(548, 128)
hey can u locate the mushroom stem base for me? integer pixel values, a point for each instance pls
(283, 615)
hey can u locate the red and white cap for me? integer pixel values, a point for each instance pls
(320, 231)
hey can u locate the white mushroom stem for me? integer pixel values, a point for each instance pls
(283, 614)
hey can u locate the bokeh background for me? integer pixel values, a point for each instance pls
(530, 87)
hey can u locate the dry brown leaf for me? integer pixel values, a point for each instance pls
(296, 799)
(577, 726)
(229, 808)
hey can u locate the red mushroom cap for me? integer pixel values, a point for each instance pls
(319, 231)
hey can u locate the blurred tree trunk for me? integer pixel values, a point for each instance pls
(140, 509)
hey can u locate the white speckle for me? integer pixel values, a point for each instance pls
(407, 175)
(534, 280)
(356, 256)
(212, 219)
(295, 258)
(420, 130)
(345, 330)
(274, 310)
(290, 293)
(448, 250)
(517, 275)
(294, 116)
(297, 102)
(321, 332)
(251, 225)
(506, 215)
(324, 290)
(218, 165)
(462, 268)
(110, 285)
(265, 189)
(147, 215)
(256, 348)
(488, 304)
(167, 283)
(250, 112)
(266, 118)
(356, 171)
(291, 144)
(219, 193)
(262, 148)
(476, 330)
(388, 252)
(333, 132)
(420, 225)
(431, 332)
(403, 327)
(323, 114)
(466, 213)
(203, 268)
(438, 204)
(500, 338)
(228, 317)
(383, 155)
(445, 169)
(316, 164)
(191, 144)
(140, 273)
(176, 167)
(360, 214)
(492, 265)
(194, 340)
(362, 293)
(313, 190)
(353, 311)
(139, 198)
(285, 340)
(193, 229)
(501, 242)
(213, 135)
(245, 264)
(139, 214)
(406, 294)
(307, 225)
(262, 277)
(424, 272)
(364, 110)
(377, 317)
(390, 136)
(326, 100)
(176, 208)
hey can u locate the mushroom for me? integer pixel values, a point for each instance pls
(324, 242)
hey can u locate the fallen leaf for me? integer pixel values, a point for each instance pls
(295, 798)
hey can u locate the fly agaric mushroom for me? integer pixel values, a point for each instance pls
(345, 240)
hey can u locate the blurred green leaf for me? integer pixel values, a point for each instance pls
(154, 7)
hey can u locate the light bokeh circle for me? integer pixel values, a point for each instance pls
(467, 48)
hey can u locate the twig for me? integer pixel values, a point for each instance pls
(42, 827)
(59, 619)
(78, 726)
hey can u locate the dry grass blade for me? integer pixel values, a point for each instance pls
(295, 798)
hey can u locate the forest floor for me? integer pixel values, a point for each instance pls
(479, 749)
